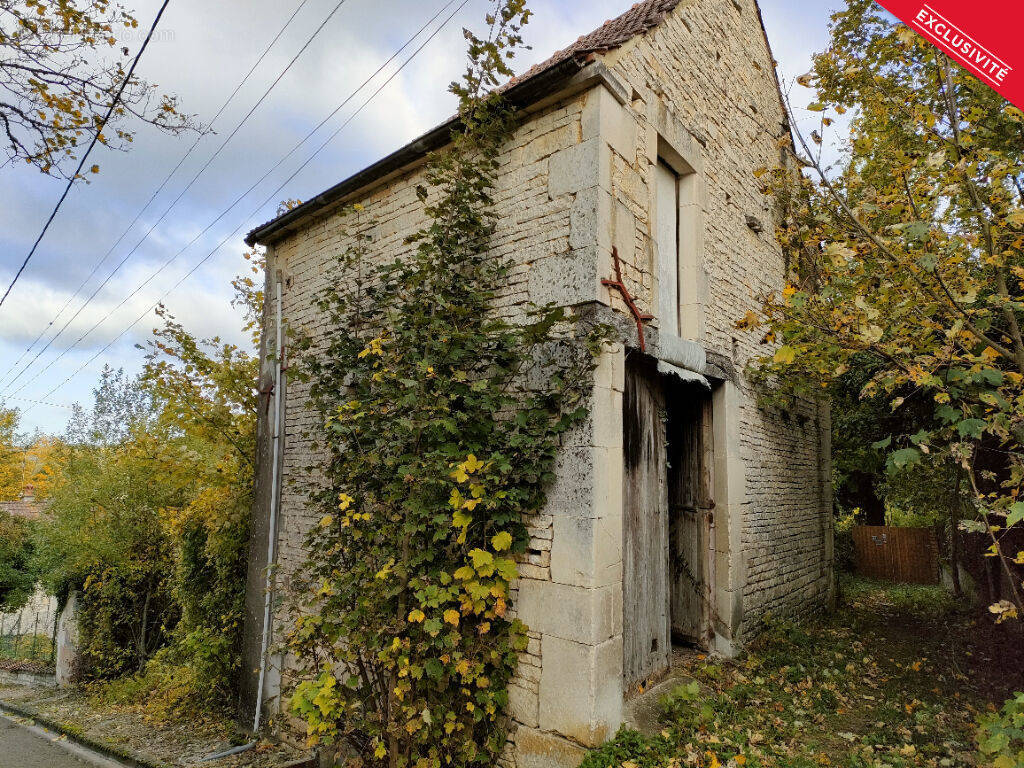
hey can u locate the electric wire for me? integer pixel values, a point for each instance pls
(92, 143)
(153, 197)
(181, 194)
(265, 202)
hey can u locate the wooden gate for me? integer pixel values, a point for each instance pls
(645, 613)
(909, 555)
(690, 510)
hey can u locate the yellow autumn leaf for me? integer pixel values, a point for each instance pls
(502, 541)
(416, 616)
(451, 616)
(749, 320)
(785, 355)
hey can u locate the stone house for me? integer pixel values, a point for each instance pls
(683, 511)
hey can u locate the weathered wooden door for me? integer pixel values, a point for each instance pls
(646, 638)
(690, 507)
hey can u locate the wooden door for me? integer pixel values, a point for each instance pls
(646, 638)
(688, 409)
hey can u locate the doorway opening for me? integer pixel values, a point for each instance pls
(690, 511)
(667, 519)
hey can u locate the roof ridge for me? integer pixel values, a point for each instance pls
(640, 18)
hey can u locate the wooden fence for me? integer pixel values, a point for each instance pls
(909, 555)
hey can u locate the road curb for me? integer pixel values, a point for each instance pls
(105, 750)
(109, 751)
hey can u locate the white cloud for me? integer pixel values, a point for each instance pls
(203, 50)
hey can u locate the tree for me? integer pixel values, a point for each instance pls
(910, 253)
(24, 459)
(119, 410)
(104, 534)
(17, 575)
(206, 403)
(37, 465)
(11, 460)
(148, 516)
(57, 81)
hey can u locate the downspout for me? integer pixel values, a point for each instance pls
(275, 492)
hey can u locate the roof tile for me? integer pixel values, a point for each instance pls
(613, 33)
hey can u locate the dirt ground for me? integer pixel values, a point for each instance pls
(897, 678)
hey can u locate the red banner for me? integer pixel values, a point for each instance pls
(983, 36)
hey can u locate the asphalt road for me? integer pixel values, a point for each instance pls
(23, 748)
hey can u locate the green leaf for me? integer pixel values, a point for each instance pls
(434, 669)
(902, 458)
(1015, 514)
(917, 231)
(971, 428)
(432, 627)
(507, 568)
(481, 558)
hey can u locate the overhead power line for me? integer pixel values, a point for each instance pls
(41, 402)
(273, 194)
(85, 156)
(153, 196)
(181, 194)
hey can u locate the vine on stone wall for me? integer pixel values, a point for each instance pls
(441, 419)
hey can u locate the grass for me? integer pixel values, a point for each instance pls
(896, 679)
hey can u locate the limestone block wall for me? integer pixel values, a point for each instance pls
(552, 196)
(68, 655)
(703, 81)
(533, 228)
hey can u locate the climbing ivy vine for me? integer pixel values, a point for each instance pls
(441, 418)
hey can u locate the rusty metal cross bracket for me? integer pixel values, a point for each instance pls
(620, 286)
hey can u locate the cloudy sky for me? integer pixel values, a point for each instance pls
(201, 53)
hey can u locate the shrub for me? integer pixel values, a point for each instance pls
(1001, 735)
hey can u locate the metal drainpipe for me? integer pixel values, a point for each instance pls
(274, 495)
